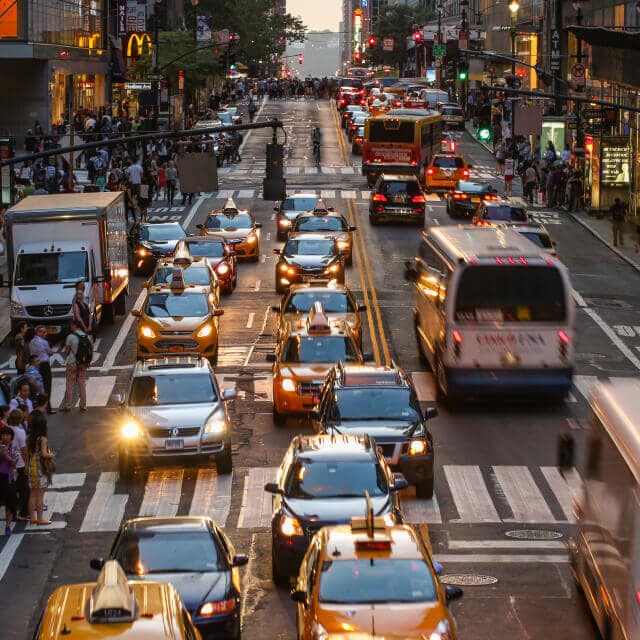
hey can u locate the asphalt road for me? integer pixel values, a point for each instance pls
(495, 463)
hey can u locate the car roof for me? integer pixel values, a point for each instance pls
(398, 177)
(307, 286)
(161, 224)
(334, 447)
(370, 376)
(176, 524)
(169, 363)
(305, 235)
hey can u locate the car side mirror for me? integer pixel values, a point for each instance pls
(218, 312)
(299, 595)
(430, 413)
(229, 394)
(275, 308)
(410, 271)
(271, 357)
(258, 225)
(368, 356)
(399, 482)
(136, 313)
(452, 593)
(145, 284)
(96, 564)
(239, 560)
(566, 452)
(362, 307)
(276, 252)
(272, 487)
(199, 226)
(118, 398)
(353, 228)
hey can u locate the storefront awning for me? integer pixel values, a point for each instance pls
(610, 38)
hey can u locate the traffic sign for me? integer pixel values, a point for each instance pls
(387, 44)
(439, 49)
(577, 71)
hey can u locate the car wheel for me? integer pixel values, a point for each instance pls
(421, 354)
(442, 387)
(424, 490)
(214, 358)
(125, 467)
(420, 222)
(256, 257)
(279, 578)
(224, 463)
(234, 282)
(279, 288)
(348, 261)
(373, 221)
(279, 419)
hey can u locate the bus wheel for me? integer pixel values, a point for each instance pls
(442, 392)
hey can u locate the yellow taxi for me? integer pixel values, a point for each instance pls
(370, 577)
(306, 351)
(114, 607)
(237, 227)
(444, 171)
(178, 318)
(338, 303)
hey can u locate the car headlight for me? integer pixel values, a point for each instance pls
(284, 222)
(205, 331)
(343, 244)
(16, 307)
(215, 425)
(417, 447)
(318, 632)
(441, 632)
(283, 266)
(147, 332)
(334, 268)
(143, 252)
(288, 384)
(290, 526)
(209, 609)
(222, 269)
(252, 239)
(130, 430)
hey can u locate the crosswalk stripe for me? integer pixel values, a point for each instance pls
(327, 193)
(463, 545)
(8, 551)
(293, 171)
(418, 511)
(60, 501)
(225, 193)
(311, 171)
(366, 194)
(432, 197)
(246, 193)
(348, 194)
(232, 356)
(99, 390)
(564, 488)
(67, 480)
(162, 493)
(347, 171)
(106, 509)
(328, 170)
(212, 496)
(263, 389)
(424, 384)
(470, 494)
(256, 502)
(522, 494)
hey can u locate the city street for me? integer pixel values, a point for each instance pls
(502, 512)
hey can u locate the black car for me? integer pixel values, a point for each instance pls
(397, 197)
(501, 211)
(150, 241)
(381, 402)
(308, 257)
(322, 481)
(289, 208)
(196, 557)
(466, 198)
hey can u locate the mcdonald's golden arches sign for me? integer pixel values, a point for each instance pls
(136, 43)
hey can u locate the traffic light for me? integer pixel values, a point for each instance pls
(484, 133)
(463, 73)
(300, 59)
(417, 37)
(372, 42)
(357, 56)
(232, 38)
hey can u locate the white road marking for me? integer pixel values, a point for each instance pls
(328, 170)
(580, 301)
(67, 480)
(8, 551)
(622, 347)
(99, 389)
(432, 197)
(522, 494)
(311, 171)
(194, 209)
(106, 509)
(246, 193)
(162, 493)
(258, 285)
(463, 545)
(489, 558)
(256, 502)
(470, 494)
(255, 342)
(263, 389)
(325, 194)
(293, 171)
(417, 511)
(268, 236)
(60, 501)
(348, 194)
(232, 356)
(347, 170)
(424, 384)
(212, 496)
(250, 320)
(565, 489)
(366, 194)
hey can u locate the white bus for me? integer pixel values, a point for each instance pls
(493, 313)
(605, 552)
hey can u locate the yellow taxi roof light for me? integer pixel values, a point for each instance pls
(318, 322)
(230, 206)
(182, 256)
(320, 207)
(177, 279)
(112, 599)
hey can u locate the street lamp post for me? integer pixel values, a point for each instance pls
(579, 148)
(514, 7)
(156, 63)
(464, 28)
(416, 42)
(440, 9)
(194, 4)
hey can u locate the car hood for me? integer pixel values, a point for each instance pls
(164, 245)
(309, 262)
(229, 234)
(176, 323)
(302, 371)
(323, 511)
(381, 430)
(169, 415)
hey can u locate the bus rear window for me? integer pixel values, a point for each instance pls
(511, 294)
(401, 132)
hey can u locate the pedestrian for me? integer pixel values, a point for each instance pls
(41, 467)
(81, 310)
(8, 462)
(500, 157)
(172, 181)
(22, 400)
(75, 350)
(509, 172)
(530, 182)
(32, 372)
(252, 108)
(22, 348)
(4, 415)
(134, 176)
(22, 482)
(618, 213)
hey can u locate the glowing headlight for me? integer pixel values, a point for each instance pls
(130, 430)
(291, 271)
(252, 239)
(417, 447)
(334, 268)
(209, 609)
(290, 527)
(343, 244)
(288, 384)
(283, 266)
(143, 252)
(284, 222)
(205, 331)
(147, 332)
(215, 425)
(222, 269)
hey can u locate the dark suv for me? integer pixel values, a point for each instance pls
(397, 197)
(381, 402)
(323, 481)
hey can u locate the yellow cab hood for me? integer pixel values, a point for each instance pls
(230, 234)
(308, 371)
(175, 324)
(350, 318)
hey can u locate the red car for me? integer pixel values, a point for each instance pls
(219, 254)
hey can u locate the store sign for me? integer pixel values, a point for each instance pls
(137, 86)
(614, 164)
(122, 18)
(8, 19)
(555, 50)
(136, 43)
(136, 17)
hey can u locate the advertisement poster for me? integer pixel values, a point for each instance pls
(136, 17)
(204, 25)
(122, 18)
(8, 19)
(614, 165)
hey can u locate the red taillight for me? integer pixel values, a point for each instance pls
(379, 197)
(343, 101)
(363, 102)
(465, 173)
(358, 139)
(430, 171)
(398, 103)
(460, 196)
(489, 197)
(457, 337)
(417, 199)
(564, 338)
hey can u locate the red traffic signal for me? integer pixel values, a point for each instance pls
(417, 36)
(232, 38)
(300, 59)
(357, 56)
(373, 41)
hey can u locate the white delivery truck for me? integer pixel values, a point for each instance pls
(56, 241)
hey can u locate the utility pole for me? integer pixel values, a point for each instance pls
(156, 63)
(464, 29)
(578, 150)
(514, 7)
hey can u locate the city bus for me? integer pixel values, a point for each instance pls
(493, 314)
(605, 551)
(401, 141)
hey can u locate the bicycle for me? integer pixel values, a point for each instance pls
(316, 153)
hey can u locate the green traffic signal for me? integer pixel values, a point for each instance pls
(484, 134)
(462, 75)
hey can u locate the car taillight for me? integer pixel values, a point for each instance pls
(398, 103)
(358, 139)
(419, 199)
(363, 102)
(563, 343)
(460, 196)
(465, 173)
(379, 197)
(430, 171)
(489, 197)
(457, 342)
(343, 101)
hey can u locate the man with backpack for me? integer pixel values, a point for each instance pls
(79, 352)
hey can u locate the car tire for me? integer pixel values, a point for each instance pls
(421, 354)
(424, 489)
(125, 467)
(373, 221)
(279, 419)
(442, 393)
(214, 358)
(279, 579)
(348, 261)
(234, 282)
(420, 222)
(224, 463)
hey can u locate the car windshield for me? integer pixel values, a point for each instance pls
(505, 213)
(320, 223)
(225, 117)
(299, 204)
(448, 162)
(172, 388)
(206, 249)
(360, 132)
(376, 580)
(304, 247)
(160, 233)
(149, 552)
(451, 111)
(221, 221)
(400, 188)
(181, 305)
(320, 349)
(539, 239)
(310, 478)
(192, 275)
(51, 268)
(375, 403)
(473, 187)
(332, 302)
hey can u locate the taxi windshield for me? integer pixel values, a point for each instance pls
(332, 302)
(221, 221)
(160, 233)
(167, 552)
(376, 580)
(299, 204)
(320, 223)
(375, 403)
(169, 305)
(306, 247)
(319, 349)
(192, 275)
(175, 388)
(319, 479)
(448, 162)
(206, 249)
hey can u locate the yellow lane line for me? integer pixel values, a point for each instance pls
(424, 532)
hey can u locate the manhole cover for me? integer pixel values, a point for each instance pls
(533, 534)
(467, 580)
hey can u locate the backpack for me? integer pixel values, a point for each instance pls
(84, 353)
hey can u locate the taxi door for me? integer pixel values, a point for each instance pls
(306, 581)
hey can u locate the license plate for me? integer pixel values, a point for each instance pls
(475, 199)
(53, 329)
(174, 443)
(176, 347)
(308, 278)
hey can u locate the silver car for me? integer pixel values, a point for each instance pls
(288, 210)
(174, 407)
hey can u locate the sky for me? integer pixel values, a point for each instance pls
(317, 14)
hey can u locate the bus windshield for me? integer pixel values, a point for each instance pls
(379, 131)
